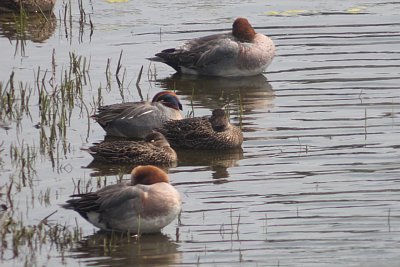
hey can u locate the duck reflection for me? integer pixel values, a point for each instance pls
(118, 249)
(27, 6)
(210, 160)
(36, 27)
(218, 162)
(247, 93)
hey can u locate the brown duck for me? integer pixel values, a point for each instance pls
(155, 149)
(213, 132)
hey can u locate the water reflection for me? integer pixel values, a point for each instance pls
(216, 161)
(250, 93)
(209, 160)
(21, 27)
(117, 249)
(26, 6)
(4, 210)
(100, 168)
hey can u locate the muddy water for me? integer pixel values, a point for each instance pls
(316, 182)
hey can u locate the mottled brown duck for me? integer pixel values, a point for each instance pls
(215, 132)
(155, 150)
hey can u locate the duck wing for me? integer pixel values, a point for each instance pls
(135, 121)
(119, 151)
(191, 132)
(109, 113)
(200, 52)
(106, 199)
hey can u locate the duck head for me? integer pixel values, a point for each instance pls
(169, 99)
(219, 121)
(148, 175)
(243, 30)
(157, 139)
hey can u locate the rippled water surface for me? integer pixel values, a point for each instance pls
(316, 182)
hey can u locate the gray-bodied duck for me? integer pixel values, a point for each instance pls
(154, 149)
(213, 132)
(146, 204)
(137, 119)
(241, 52)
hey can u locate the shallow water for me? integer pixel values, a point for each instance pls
(316, 182)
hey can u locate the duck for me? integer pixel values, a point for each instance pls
(241, 52)
(208, 133)
(154, 149)
(135, 120)
(144, 205)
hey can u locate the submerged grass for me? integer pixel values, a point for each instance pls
(67, 20)
(21, 22)
(26, 241)
(49, 104)
(14, 100)
(52, 103)
(23, 159)
(57, 103)
(23, 243)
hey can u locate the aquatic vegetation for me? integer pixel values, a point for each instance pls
(57, 103)
(14, 100)
(23, 159)
(54, 99)
(23, 243)
(67, 18)
(51, 102)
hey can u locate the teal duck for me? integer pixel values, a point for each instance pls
(154, 149)
(137, 119)
(213, 132)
